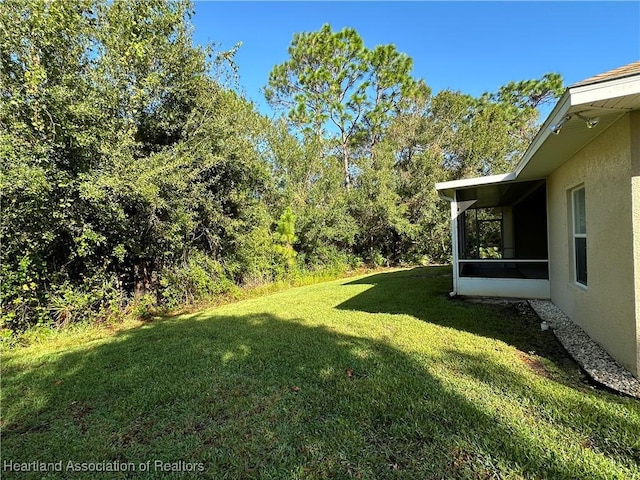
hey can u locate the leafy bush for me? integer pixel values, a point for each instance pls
(68, 304)
(96, 300)
(197, 279)
(144, 306)
(331, 259)
(256, 262)
(22, 298)
(490, 252)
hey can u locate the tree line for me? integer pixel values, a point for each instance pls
(133, 173)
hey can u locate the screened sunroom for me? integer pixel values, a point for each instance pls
(499, 235)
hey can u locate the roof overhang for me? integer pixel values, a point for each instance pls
(499, 193)
(607, 100)
(447, 190)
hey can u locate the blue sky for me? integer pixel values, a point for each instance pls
(473, 47)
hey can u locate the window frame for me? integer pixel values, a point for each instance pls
(578, 235)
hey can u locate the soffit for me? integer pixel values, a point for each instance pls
(557, 149)
(498, 194)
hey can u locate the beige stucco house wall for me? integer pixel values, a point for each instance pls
(634, 121)
(607, 309)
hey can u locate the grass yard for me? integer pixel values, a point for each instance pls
(376, 377)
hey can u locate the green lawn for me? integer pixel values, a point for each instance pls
(382, 376)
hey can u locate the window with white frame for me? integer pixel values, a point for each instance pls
(579, 235)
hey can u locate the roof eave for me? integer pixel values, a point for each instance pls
(447, 190)
(555, 117)
(576, 99)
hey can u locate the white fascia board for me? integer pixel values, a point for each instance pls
(595, 92)
(472, 182)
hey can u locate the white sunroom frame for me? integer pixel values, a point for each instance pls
(487, 286)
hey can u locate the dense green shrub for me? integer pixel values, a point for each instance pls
(94, 300)
(198, 278)
(332, 259)
(23, 299)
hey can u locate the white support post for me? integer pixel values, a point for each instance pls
(454, 243)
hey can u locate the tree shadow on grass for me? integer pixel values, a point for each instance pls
(423, 292)
(564, 409)
(257, 396)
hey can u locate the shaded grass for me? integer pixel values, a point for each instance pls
(379, 377)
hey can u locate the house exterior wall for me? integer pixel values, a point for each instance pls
(635, 191)
(607, 309)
